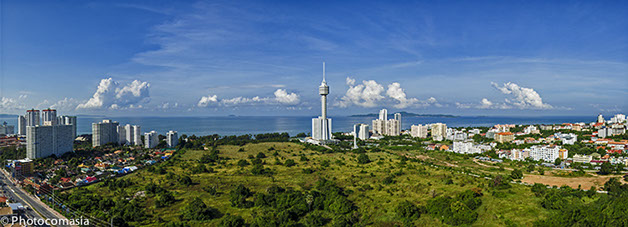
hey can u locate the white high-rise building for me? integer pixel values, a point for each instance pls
(32, 117)
(172, 138)
(600, 118)
(618, 118)
(122, 135)
(418, 131)
(21, 125)
(379, 126)
(439, 131)
(68, 120)
(321, 126)
(49, 117)
(393, 127)
(104, 132)
(363, 134)
(43, 141)
(383, 114)
(398, 126)
(151, 139)
(137, 135)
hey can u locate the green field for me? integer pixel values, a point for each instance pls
(364, 184)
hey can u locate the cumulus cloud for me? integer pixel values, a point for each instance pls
(370, 93)
(485, 104)
(523, 98)
(396, 92)
(281, 96)
(366, 94)
(110, 94)
(287, 98)
(65, 104)
(206, 100)
(11, 104)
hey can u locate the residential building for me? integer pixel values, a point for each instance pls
(618, 118)
(467, 147)
(137, 135)
(531, 130)
(519, 154)
(547, 153)
(504, 137)
(104, 132)
(6, 129)
(398, 124)
(122, 135)
(567, 138)
(45, 140)
(393, 127)
(438, 131)
(321, 126)
(68, 120)
(151, 139)
(379, 126)
(172, 138)
(363, 131)
(21, 168)
(600, 119)
(582, 158)
(49, 117)
(21, 125)
(418, 131)
(32, 117)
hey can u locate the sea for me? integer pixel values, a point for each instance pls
(240, 125)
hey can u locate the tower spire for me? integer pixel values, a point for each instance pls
(323, 71)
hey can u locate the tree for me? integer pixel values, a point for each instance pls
(231, 221)
(243, 163)
(530, 168)
(289, 163)
(557, 162)
(363, 159)
(238, 197)
(516, 174)
(407, 209)
(606, 168)
(199, 211)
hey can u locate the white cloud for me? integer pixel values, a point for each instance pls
(281, 97)
(396, 92)
(524, 98)
(485, 104)
(65, 104)
(206, 100)
(369, 94)
(111, 95)
(287, 98)
(11, 104)
(366, 94)
(350, 81)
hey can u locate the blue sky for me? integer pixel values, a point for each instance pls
(264, 57)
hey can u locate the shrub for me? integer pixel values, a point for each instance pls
(260, 155)
(406, 209)
(231, 221)
(363, 159)
(243, 163)
(199, 211)
(289, 163)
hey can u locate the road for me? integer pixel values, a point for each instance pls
(38, 209)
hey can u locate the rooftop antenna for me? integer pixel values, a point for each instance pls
(323, 71)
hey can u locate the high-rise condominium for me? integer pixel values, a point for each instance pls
(172, 138)
(49, 117)
(104, 132)
(151, 139)
(45, 140)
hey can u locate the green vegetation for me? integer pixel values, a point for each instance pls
(293, 184)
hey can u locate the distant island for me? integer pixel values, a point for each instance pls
(405, 114)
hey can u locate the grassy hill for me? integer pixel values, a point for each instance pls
(376, 188)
